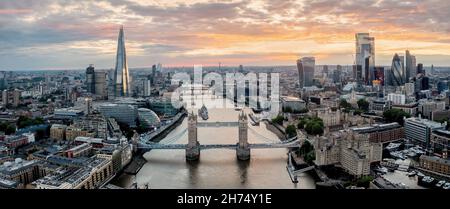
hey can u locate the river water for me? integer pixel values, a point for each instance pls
(217, 168)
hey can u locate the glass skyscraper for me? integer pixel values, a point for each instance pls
(305, 68)
(121, 75)
(410, 66)
(365, 57)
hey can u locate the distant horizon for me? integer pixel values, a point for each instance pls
(204, 66)
(52, 34)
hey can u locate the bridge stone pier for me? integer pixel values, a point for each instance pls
(243, 148)
(193, 146)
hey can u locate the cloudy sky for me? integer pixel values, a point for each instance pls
(58, 34)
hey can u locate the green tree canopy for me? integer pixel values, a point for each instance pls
(314, 126)
(395, 115)
(291, 131)
(278, 120)
(363, 105)
(344, 104)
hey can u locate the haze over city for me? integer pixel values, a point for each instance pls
(51, 34)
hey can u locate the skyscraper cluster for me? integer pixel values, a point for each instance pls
(404, 69)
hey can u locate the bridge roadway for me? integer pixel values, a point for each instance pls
(148, 146)
(217, 124)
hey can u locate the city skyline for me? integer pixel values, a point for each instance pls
(69, 34)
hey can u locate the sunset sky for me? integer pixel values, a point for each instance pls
(70, 34)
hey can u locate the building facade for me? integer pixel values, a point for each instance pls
(305, 67)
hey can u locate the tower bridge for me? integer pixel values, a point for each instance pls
(242, 147)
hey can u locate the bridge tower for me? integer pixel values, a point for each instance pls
(242, 148)
(193, 146)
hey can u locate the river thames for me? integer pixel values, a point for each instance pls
(217, 168)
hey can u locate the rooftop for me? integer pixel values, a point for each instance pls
(17, 165)
(5, 183)
(376, 128)
(292, 99)
(426, 122)
(73, 175)
(435, 159)
(442, 132)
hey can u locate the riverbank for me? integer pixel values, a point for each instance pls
(138, 160)
(276, 130)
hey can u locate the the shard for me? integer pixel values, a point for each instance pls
(121, 75)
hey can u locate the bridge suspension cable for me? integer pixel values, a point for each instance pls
(171, 139)
(174, 138)
(266, 139)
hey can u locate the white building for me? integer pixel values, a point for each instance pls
(397, 99)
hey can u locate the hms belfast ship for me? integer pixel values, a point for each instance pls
(203, 112)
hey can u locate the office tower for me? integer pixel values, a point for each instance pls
(3, 84)
(396, 73)
(442, 86)
(101, 87)
(88, 105)
(365, 57)
(337, 74)
(419, 130)
(90, 79)
(159, 67)
(325, 70)
(153, 75)
(305, 68)
(410, 66)
(410, 89)
(379, 74)
(369, 71)
(121, 75)
(11, 97)
(147, 83)
(425, 83)
(420, 68)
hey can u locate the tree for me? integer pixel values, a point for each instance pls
(358, 112)
(344, 104)
(363, 105)
(291, 131)
(364, 181)
(395, 115)
(307, 151)
(24, 121)
(306, 148)
(304, 110)
(10, 129)
(278, 120)
(310, 157)
(314, 126)
(301, 123)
